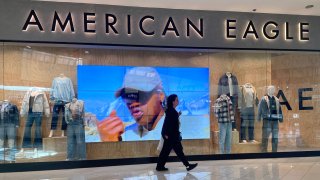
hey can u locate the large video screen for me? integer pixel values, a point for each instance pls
(125, 103)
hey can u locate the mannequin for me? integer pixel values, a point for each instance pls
(9, 122)
(61, 93)
(269, 110)
(74, 115)
(246, 104)
(228, 84)
(34, 105)
(223, 110)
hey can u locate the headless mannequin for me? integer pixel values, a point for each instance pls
(61, 75)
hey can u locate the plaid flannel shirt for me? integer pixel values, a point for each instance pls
(223, 109)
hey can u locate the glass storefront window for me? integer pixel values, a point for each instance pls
(76, 103)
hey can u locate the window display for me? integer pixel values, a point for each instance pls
(228, 84)
(9, 122)
(223, 109)
(74, 115)
(61, 93)
(120, 97)
(34, 105)
(270, 112)
(247, 100)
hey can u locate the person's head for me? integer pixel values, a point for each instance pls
(143, 94)
(172, 101)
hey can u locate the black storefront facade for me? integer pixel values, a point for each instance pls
(89, 44)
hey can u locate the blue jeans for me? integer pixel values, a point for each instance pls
(225, 137)
(247, 122)
(8, 134)
(270, 127)
(76, 148)
(33, 117)
(57, 107)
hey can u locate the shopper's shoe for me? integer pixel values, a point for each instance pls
(191, 166)
(244, 141)
(162, 169)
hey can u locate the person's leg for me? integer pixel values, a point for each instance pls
(38, 135)
(222, 137)
(178, 149)
(228, 137)
(164, 154)
(275, 134)
(27, 131)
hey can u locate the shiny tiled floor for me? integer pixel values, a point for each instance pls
(269, 169)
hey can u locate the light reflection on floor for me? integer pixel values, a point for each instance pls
(307, 168)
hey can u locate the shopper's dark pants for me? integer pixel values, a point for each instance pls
(55, 116)
(168, 145)
(270, 127)
(247, 122)
(35, 117)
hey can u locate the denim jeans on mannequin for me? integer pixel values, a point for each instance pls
(225, 137)
(247, 122)
(76, 149)
(58, 106)
(33, 117)
(8, 134)
(234, 106)
(270, 127)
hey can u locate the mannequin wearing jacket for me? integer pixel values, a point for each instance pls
(61, 93)
(223, 110)
(246, 102)
(228, 84)
(34, 105)
(269, 110)
(74, 115)
(9, 121)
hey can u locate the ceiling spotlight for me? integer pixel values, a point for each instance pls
(254, 10)
(309, 6)
(29, 47)
(86, 52)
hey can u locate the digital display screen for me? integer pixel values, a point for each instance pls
(127, 103)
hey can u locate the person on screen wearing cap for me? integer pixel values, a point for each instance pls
(143, 94)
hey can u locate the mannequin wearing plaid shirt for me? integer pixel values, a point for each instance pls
(223, 110)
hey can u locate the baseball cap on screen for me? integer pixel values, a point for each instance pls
(141, 79)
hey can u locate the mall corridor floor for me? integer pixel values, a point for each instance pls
(259, 169)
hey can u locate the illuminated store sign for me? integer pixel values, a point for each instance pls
(154, 27)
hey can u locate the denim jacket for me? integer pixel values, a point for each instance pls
(264, 110)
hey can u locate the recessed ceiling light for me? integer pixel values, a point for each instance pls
(309, 6)
(86, 52)
(29, 47)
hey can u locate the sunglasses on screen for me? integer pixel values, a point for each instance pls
(133, 95)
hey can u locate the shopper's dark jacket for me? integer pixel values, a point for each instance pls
(171, 125)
